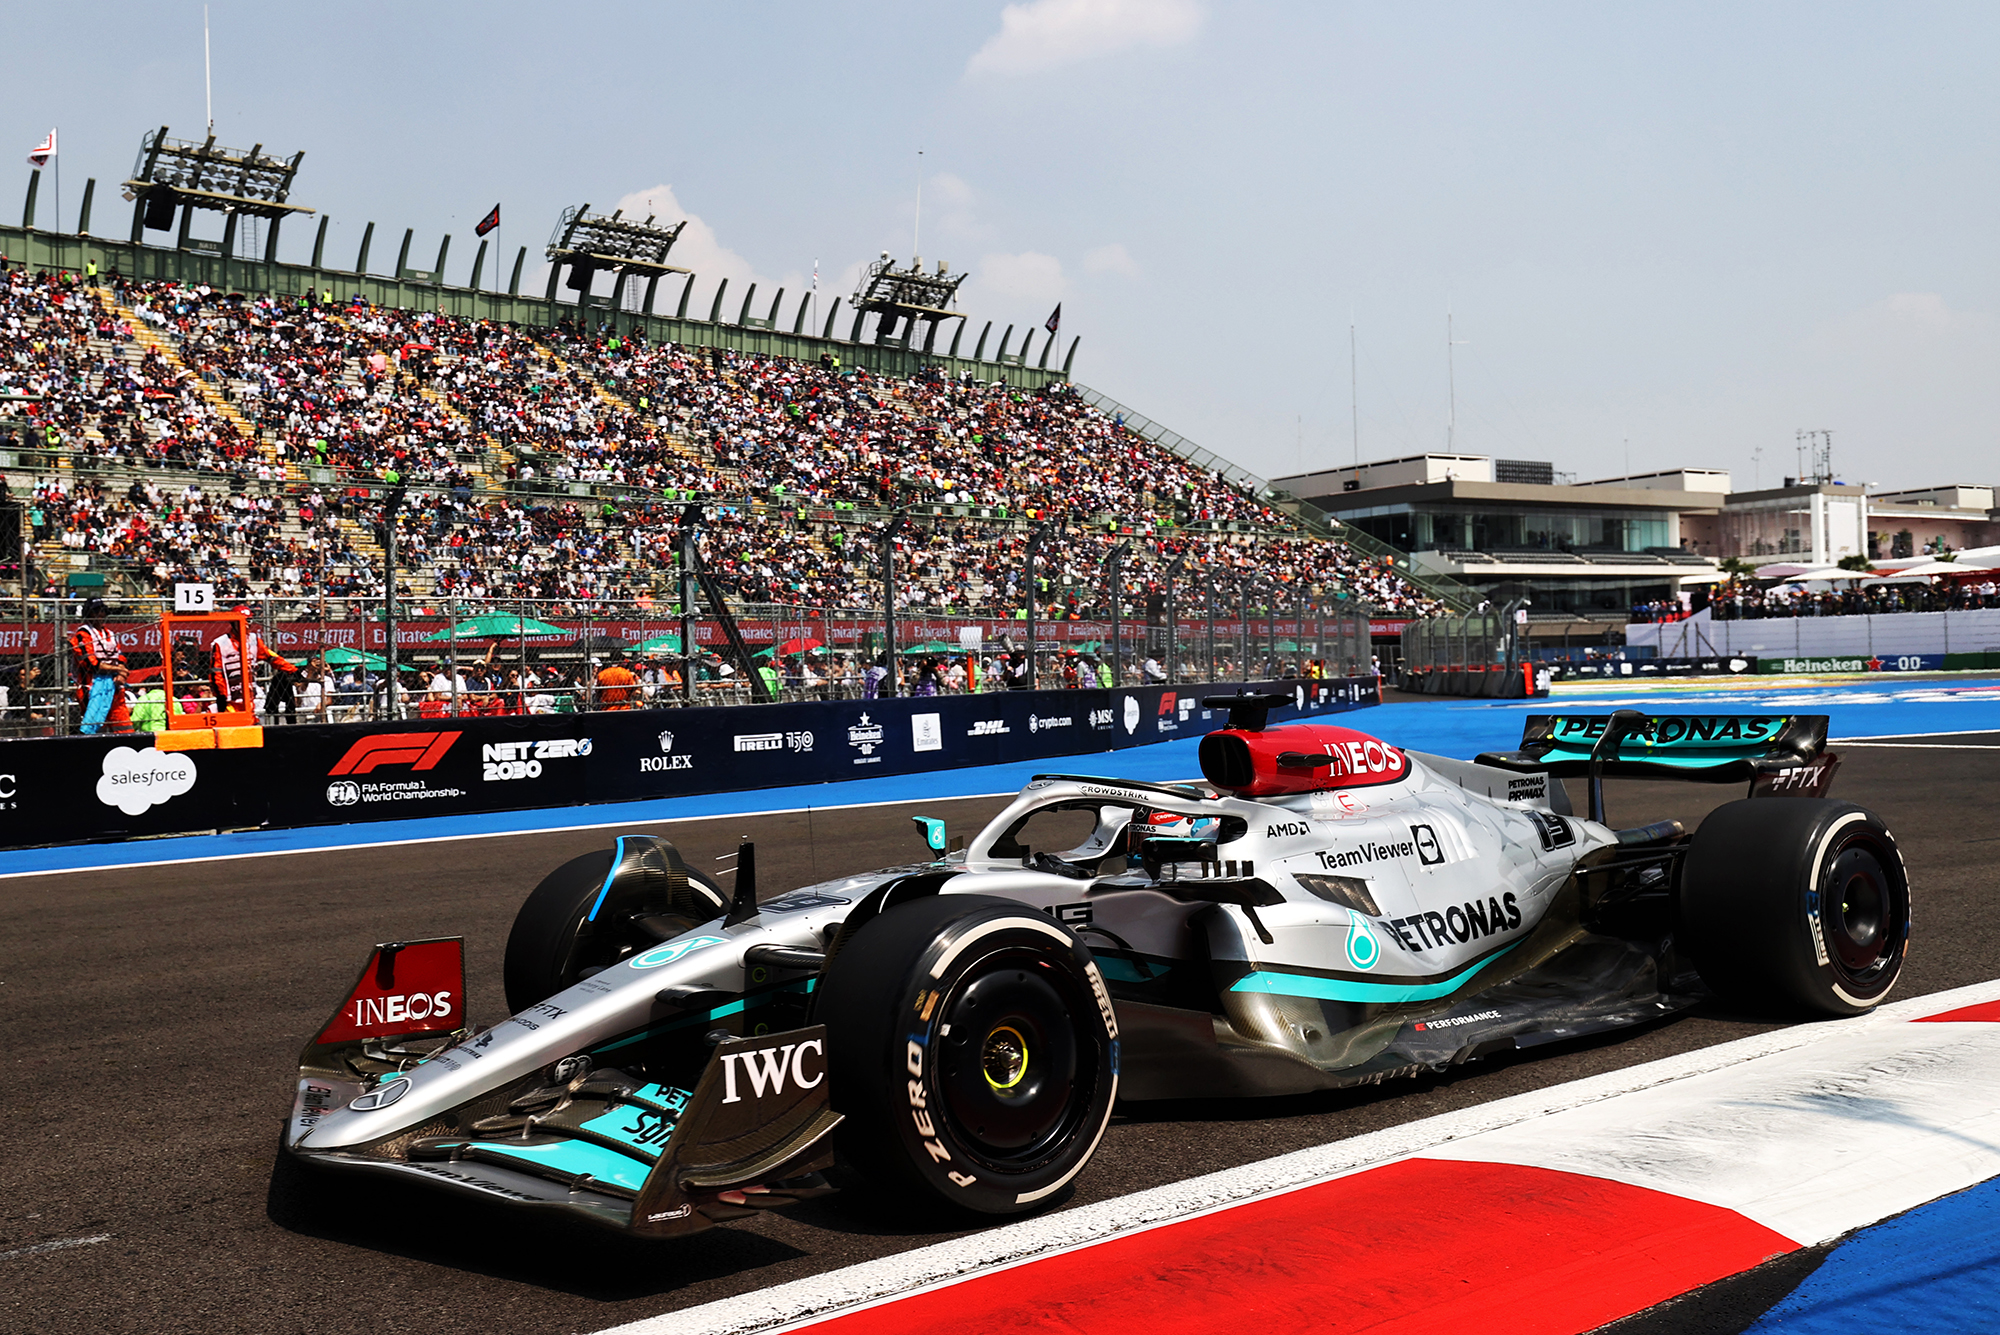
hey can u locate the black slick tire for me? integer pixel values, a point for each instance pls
(1796, 903)
(972, 1047)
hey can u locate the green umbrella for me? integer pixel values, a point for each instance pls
(349, 657)
(496, 626)
(659, 644)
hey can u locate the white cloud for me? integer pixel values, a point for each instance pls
(699, 249)
(1906, 322)
(1110, 259)
(1043, 34)
(1027, 277)
(135, 779)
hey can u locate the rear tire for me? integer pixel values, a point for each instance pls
(555, 944)
(972, 1046)
(1796, 902)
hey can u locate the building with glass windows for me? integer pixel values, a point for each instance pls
(1514, 529)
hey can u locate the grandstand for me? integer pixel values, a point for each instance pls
(191, 416)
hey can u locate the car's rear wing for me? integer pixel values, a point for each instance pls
(1776, 753)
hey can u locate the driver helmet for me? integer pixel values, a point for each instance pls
(1174, 825)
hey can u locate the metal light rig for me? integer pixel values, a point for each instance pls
(909, 294)
(588, 242)
(179, 174)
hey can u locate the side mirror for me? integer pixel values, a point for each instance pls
(933, 832)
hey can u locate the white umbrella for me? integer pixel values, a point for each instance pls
(1922, 573)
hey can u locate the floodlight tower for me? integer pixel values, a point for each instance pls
(587, 242)
(896, 295)
(180, 174)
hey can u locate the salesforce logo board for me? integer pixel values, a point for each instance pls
(136, 780)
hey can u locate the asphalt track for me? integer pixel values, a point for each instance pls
(155, 1012)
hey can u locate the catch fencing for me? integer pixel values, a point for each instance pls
(526, 656)
(69, 789)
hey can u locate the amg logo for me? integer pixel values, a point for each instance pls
(767, 1068)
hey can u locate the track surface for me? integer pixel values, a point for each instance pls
(154, 1015)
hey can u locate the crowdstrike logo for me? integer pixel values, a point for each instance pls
(418, 750)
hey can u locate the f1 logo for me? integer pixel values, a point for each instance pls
(1429, 851)
(418, 750)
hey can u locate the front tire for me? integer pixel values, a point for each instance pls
(1796, 902)
(973, 1048)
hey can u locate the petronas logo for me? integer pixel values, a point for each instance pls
(1362, 948)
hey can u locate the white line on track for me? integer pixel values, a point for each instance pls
(886, 1278)
(63, 1245)
(1924, 746)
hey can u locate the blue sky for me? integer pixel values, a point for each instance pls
(1674, 233)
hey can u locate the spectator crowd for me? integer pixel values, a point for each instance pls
(178, 433)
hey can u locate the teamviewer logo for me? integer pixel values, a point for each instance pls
(418, 750)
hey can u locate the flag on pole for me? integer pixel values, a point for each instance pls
(815, 273)
(488, 223)
(1054, 322)
(40, 157)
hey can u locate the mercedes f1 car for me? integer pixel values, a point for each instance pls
(1326, 910)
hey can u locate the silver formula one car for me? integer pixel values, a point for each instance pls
(1326, 910)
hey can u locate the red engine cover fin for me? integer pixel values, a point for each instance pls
(1300, 758)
